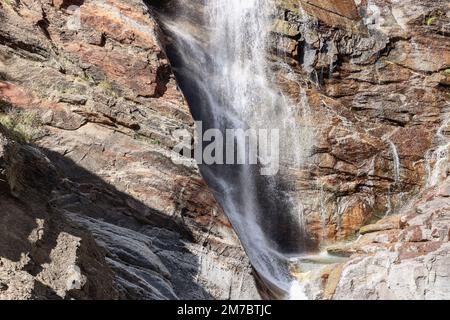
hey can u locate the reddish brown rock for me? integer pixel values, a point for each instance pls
(107, 105)
(399, 258)
(335, 12)
(387, 223)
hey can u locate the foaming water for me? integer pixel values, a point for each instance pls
(225, 76)
(297, 291)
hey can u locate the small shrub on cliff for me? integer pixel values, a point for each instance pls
(431, 21)
(8, 2)
(434, 17)
(107, 87)
(146, 139)
(23, 126)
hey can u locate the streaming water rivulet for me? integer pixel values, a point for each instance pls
(225, 76)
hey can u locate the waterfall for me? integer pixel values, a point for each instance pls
(437, 160)
(239, 44)
(396, 159)
(223, 70)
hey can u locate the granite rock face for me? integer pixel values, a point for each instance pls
(94, 204)
(404, 256)
(377, 85)
(92, 81)
(42, 254)
(378, 94)
(340, 13)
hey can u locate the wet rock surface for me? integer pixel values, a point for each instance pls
(408, 262)
(95, 207)
(379, 103)
(376, 186)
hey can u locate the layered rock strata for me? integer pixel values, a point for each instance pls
(377, 90)
(404, 256)
(88, 83)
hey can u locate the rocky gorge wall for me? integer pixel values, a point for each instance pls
(88, 107)
(375, 74)
(92, 204)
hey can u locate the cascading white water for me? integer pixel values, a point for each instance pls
(225, 78)
(396, 159)
(437, 161)
(239, 45)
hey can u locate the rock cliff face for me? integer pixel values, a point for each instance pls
(379, 97)
(93, 204)
(404, 256)
(96, 202)
(377, 82)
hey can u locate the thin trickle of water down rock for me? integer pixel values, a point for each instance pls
(226, 81)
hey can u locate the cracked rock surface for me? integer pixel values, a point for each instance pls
(100, 104)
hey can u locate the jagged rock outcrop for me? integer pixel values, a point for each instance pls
(380, 97)
(378, 93)
(42, 254)
(343, 13)
(404, 256)
(88, 83)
